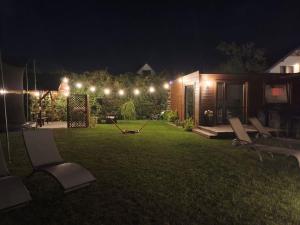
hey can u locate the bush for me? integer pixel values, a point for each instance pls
(128, 110)
(170, 116)
(188, 124)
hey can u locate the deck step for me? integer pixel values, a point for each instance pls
(208, 129)
(204, 133)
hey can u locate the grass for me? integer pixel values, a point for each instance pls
(161, 176)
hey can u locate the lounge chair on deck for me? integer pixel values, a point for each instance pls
(13, 193)
(266, 134)
(44, 157)
(244, 139)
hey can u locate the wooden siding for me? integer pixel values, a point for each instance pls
(205, 97)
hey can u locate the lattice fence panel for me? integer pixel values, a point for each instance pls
(77, 111)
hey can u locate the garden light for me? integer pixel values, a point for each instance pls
(92, 88)
(36, 94)
(136, 91)
(151, 89)
(106, 91)
(166, 86)
(78, 85)
(3, 91)
(65, 80)
(121, 92)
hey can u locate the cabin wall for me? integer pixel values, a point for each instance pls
(178, 95)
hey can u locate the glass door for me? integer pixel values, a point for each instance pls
(189, 102)
(230, 101)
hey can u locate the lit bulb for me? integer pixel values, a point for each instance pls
(66, 94)
(106, 91)
(151, 89)
(78, 85)
(136, 92)
(36, 94)
(121, 92)
(166, 86)
(3, 91)
(92, 88)
(65, 80)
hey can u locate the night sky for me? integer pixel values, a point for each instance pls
(178, 37)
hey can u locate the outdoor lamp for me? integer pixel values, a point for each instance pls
(78, 85)
(106, 91)
(136, 91)
(166, 86)
(151, 89)
(207, 83)
(65, 80)
(92, 88)
(3, 91)
(121, 92)
(36, 94)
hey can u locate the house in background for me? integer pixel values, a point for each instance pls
(288, 64)
(146, 70)
(210, 99)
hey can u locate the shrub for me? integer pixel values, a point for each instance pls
(128, 110)
(170, 116)
(188, 124)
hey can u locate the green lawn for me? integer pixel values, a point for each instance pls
(162, 176)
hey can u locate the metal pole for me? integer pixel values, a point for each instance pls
(27, 94)
(5, 112)
(34, 73)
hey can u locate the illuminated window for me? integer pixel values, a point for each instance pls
(286, 69)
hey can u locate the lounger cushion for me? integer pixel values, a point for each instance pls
(239, 130)
(41, 147)
(70, 175)
(261, 129)
(12, 192)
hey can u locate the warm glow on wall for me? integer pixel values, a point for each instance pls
(297, 68)
(207, 83)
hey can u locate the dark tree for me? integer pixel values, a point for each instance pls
(242, 58)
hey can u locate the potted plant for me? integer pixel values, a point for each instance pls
(209, 117)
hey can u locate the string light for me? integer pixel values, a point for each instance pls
(92, 88)
(121, 92)
(65, 80)
(3, 91)
(36, 94)
(151, 89)
(106, 91)
(166, 86)
(78, 85)
(136, 91)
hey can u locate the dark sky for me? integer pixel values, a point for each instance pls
(87, 35)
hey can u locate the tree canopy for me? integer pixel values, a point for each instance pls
(242, 58)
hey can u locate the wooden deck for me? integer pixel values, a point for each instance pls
(225, 131)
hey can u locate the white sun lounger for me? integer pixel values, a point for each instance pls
(244, 139)
(44, 157)
(13, 192)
